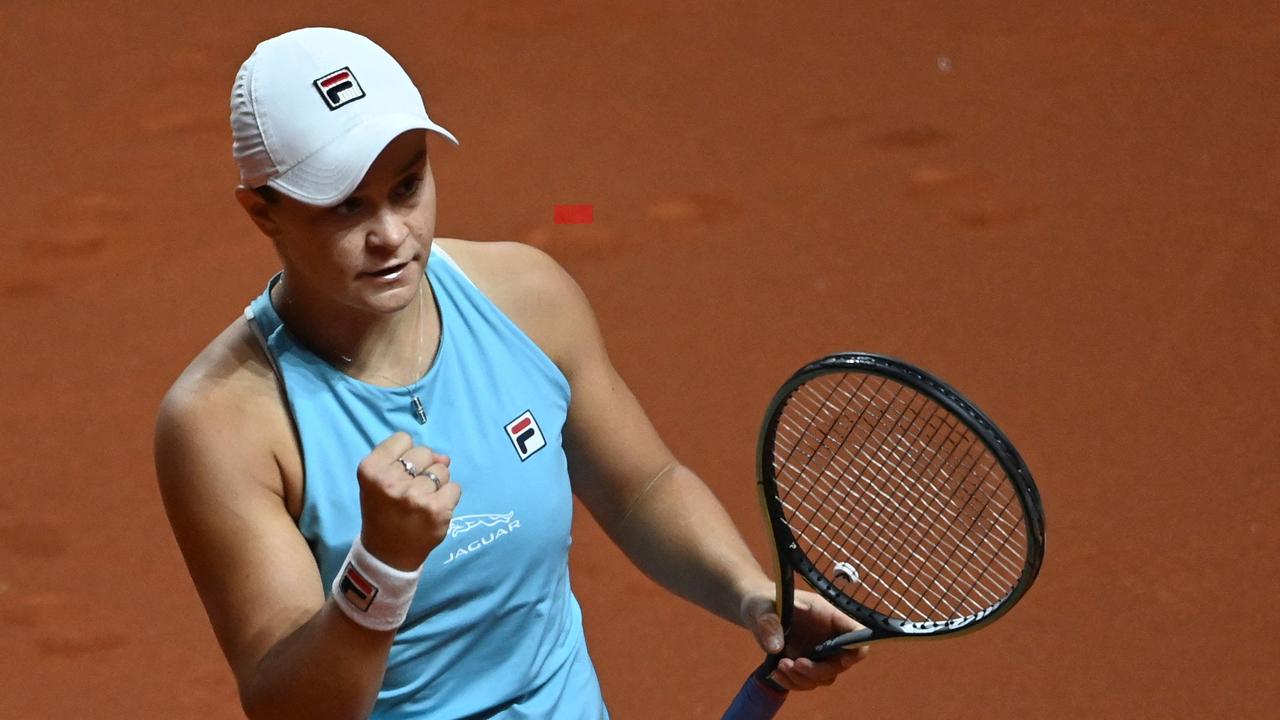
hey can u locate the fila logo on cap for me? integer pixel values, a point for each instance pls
(339, 88)
(525, 435)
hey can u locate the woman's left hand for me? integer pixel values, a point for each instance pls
(813, 621)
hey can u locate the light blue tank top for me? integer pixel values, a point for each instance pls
(494, 629)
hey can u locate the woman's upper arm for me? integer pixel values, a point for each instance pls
(613, 449)
(222, 491)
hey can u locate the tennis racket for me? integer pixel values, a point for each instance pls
(897, 500)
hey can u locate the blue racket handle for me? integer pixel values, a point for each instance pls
(755, 701)
(760, 697)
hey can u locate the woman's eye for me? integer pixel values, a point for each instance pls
(350, 206)
(410, 185)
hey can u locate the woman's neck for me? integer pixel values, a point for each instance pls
(367, 345)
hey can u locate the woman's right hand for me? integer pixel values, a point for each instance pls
(404, 515)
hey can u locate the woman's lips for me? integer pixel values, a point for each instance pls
(390, 273)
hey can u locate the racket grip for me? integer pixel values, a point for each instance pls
(839, 644)
(759, 699)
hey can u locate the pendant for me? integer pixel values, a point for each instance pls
(419, 410)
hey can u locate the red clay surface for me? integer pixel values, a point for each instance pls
(1068, 210)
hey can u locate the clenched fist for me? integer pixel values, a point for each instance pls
(406, 501)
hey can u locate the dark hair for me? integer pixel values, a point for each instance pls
(268, 194)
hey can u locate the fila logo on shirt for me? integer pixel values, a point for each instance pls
(339, 88)
(525, 435)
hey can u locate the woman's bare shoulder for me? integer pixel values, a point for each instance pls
(232, 370)
(224, 412)
(502, 266)
(527, 284)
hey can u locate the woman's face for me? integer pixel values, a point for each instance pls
(369, 251)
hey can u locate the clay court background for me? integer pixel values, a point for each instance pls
(1067, 209)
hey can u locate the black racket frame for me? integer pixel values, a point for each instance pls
(787, 551)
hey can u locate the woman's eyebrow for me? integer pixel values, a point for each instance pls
(417, 158)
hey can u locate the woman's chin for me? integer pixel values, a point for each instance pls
(385, 295)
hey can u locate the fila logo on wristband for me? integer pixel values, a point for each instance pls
(339, 88)
(357, 589)
(525, 435)
(364, 579)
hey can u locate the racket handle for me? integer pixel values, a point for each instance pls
(839, 644)
(760, 698)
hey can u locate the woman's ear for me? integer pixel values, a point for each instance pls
(259, 210)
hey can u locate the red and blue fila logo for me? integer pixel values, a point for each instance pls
(526, 435)
(356, 588)
(339, 88)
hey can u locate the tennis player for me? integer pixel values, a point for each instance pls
(371, 473)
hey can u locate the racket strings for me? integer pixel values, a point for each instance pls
(927, 451)
(877, 520)
(873, 529)
(895, 569)
(882, 505)
(872, 525)
(892, 484)
(887, 528)
(897, 572)
(957, 542)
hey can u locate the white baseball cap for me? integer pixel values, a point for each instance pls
(311, 110)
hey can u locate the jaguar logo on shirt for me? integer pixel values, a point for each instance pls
(482, 529)
(525, 435)
(463, 524)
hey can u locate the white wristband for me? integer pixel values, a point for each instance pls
(371, 592)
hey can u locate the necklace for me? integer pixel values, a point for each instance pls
(415, 402)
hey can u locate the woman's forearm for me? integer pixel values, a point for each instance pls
(328, 667)
(679, 534)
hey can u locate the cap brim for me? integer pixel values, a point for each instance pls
(330, 174)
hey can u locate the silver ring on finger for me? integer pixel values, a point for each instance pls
(408, 467)
(433, 478)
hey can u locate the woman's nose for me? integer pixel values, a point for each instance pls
(387, 229)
